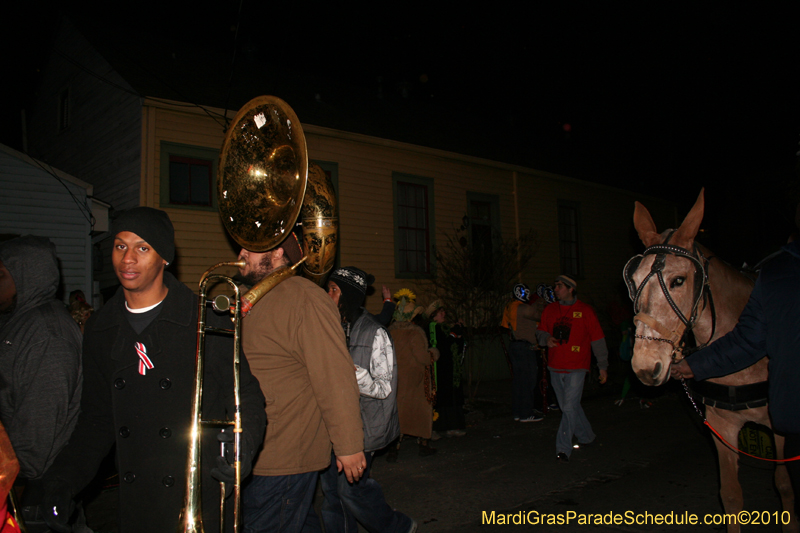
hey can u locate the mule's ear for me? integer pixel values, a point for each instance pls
(645, 226)
(685, 235)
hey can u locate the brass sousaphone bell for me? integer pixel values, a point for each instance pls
(262, 174)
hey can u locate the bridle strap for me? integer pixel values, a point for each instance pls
(661, 251)
(677, 340)
(670, 336)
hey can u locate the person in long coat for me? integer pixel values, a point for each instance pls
(139, 368)
(415, 394)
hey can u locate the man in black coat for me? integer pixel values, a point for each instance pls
(139, 366)
(769, 324)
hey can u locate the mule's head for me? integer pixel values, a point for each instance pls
(659, 327)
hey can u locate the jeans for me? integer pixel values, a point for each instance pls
(523, 362)
(278, 503)
(569, 389)
(363, 502)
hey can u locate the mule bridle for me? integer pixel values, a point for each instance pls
(702, 292)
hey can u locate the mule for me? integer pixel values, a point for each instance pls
(678, 286)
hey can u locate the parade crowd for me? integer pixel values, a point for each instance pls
(324, 385)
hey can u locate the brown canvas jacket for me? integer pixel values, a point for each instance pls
(296, 348)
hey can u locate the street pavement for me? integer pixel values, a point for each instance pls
(659, 460)
(656, 460)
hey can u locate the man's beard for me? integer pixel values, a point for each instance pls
(260, 272)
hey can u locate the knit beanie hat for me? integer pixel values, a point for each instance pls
(353, 283)
(152, 225)
(568, 281)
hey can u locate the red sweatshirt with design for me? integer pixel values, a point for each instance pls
(579, 326)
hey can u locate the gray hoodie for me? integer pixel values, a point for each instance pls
(40, 358)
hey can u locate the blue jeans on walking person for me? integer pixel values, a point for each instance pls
(363, 502)
(278, 503)
(523, 388)
(569, 389)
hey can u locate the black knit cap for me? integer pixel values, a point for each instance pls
(353, 283)
(152, 225)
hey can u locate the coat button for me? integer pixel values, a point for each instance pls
(129, 477)
(165, 383)
(165, 433)
(168, 481)
(124, 432)
(119, 383)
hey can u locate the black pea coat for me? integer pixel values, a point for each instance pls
(149, 416)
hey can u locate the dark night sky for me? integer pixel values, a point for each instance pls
(657, 98)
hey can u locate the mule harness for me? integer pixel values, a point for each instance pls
(742, 397)
(702, 292)
(711, 394)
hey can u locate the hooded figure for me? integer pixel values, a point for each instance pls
(415, 388)
(40, 355)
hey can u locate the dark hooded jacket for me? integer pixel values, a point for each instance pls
(769, 323)
(40, 358)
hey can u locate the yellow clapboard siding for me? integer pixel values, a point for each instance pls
(366, 167)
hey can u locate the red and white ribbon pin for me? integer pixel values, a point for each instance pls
(144, 361)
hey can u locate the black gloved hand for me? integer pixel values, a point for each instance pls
(224, 470)
(224, 473)
(57, 506)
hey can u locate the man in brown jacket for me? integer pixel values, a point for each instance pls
(297, 350)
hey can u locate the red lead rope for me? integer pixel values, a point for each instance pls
(734, 448)
(721, 438)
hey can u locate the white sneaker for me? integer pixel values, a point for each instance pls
(532, 418)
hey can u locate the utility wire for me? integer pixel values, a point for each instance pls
(214, 116)
(85, 211)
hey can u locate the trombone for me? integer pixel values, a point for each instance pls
(191, 515)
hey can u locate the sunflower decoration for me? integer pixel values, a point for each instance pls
(409, 296)
(405, 310)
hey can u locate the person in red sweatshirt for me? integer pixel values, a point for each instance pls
(571, 331)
